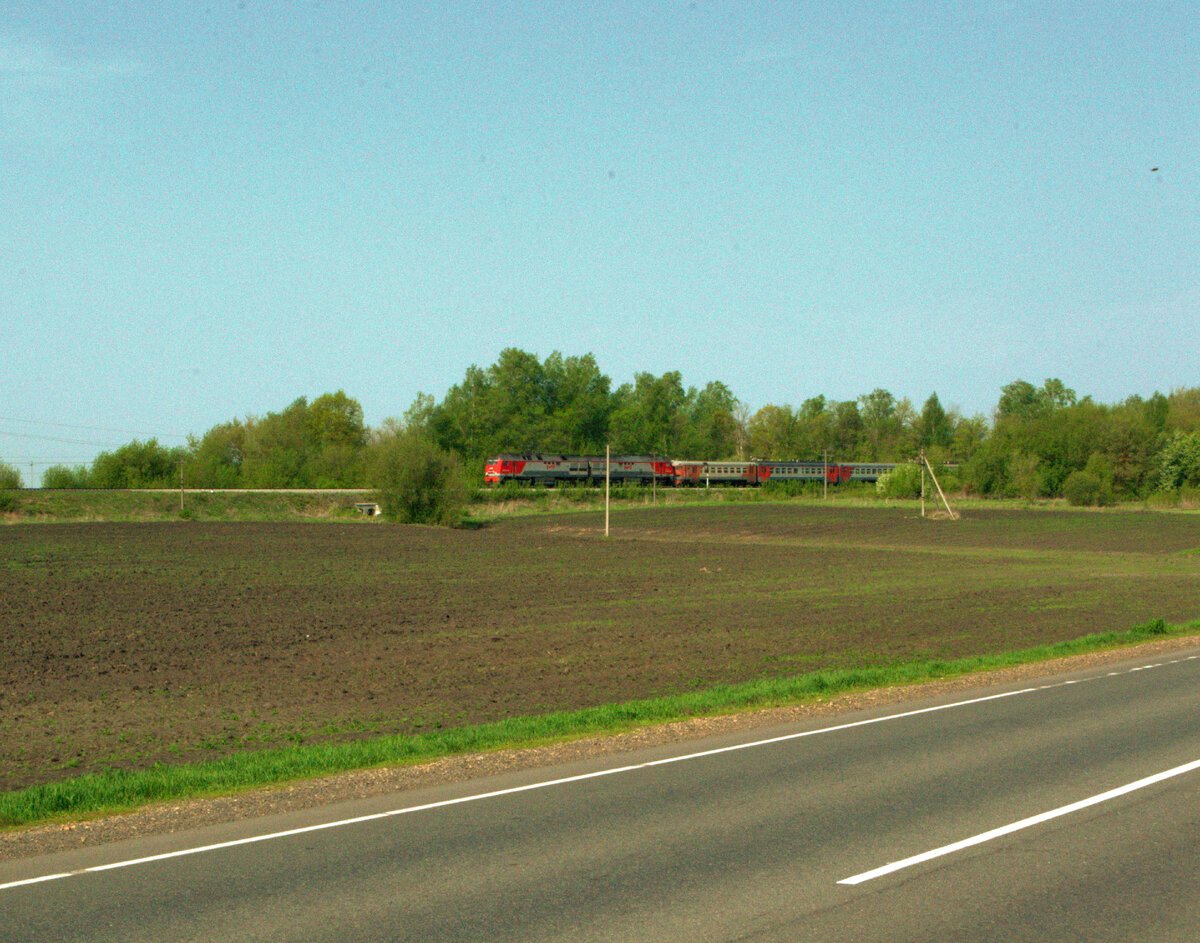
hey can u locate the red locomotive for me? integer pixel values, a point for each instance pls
(550, 470)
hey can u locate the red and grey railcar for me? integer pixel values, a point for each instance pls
(695, 473)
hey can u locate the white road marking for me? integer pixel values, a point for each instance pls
(546, 784)
(1022, 824)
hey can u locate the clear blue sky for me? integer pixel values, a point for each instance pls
(208, 209)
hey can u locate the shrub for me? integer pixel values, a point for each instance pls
(65, 477)
(1082, 489)
(137, 465)
(1153, 627)
(1026, 478)
(416, 481)
(903, 481)
(10, 478)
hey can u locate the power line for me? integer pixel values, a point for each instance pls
(26, 463)
(68, 425)
(50, 438)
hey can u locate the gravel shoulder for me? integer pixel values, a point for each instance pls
(166, 818)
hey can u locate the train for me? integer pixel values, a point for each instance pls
(552, 470)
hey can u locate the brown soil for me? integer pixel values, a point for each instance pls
(128, 645)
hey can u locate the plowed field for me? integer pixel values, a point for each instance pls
(125, 645)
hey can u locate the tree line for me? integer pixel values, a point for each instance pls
(1040, 441)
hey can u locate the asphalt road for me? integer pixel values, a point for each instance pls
(1069, 810)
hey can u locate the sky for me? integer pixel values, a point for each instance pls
(211, 208)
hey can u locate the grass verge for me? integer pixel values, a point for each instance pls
(118, 791)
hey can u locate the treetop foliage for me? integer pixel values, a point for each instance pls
(1036, 439)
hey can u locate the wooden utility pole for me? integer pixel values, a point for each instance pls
(607, 464)
(925, 463)
(181, 485)
(922, 464)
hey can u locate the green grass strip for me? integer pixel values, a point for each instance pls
(119, 790)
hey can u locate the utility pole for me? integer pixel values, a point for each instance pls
(607, 464)
(950, 512)
(181, 485)
(922, 482)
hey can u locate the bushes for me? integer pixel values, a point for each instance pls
(65, 477)
(903, 481)
(137, 465)
(416, 481)
(10, 478)
(1082, 489)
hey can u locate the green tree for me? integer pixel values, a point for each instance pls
(467, 420)
(1056, 395)
(711, 427)
(1157, 410)
(421, 413)
(846, 441)
(650, 415)
(813, 429)
(1018, 400)
(970, 433)
(337, 419)
(1179, 462)
(1022, 400)
(986, 471)
(306, 445)
(520, 404)
(1044, 429)
(1183, 410)
(880, 424)
(773, 433)
(935, 427)
(580, 404)
(338, 438)
(215, 459)
(277, 448)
